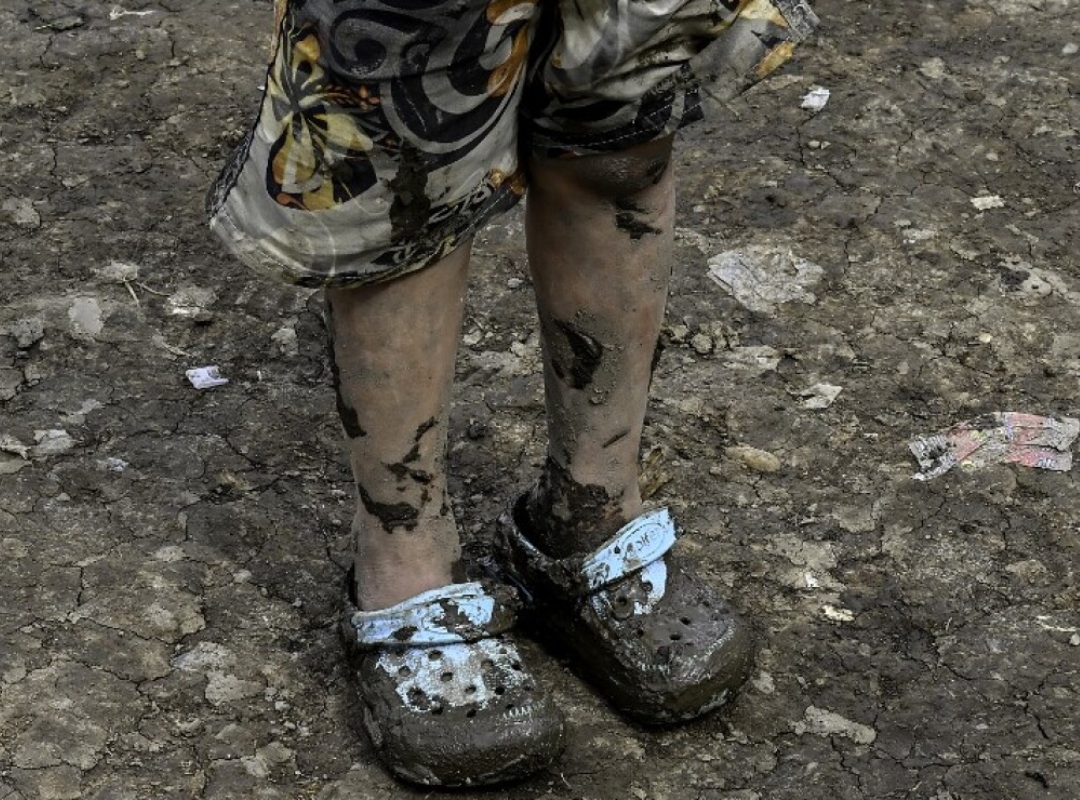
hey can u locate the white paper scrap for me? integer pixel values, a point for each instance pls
(816, 99)
(206, 377)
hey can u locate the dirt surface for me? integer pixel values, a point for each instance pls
(172, 559)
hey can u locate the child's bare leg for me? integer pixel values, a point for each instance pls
(600, 231)
(393, 347)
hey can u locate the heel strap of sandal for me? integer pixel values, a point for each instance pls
(641, 542)
(635, 546)
(455, 614)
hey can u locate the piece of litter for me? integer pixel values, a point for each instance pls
(206, 377)
(762, 278)
(1002, 437)
(837, 614)
(987, 201)
(118, 11)
(811, 581)
(816, 99)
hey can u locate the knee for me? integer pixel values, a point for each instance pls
(622, 174)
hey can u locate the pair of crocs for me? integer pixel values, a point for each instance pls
(447, 700)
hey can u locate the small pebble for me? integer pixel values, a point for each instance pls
(755, 459)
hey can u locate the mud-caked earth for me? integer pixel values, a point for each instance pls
(854, 269)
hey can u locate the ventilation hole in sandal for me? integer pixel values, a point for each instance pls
(516, 666)
(500, 690)
(684, 620)
(470, 690)
(447, 677)
(706, 603)
(647, 586)
(470, 713)
(437, 710)
(404, 672)
(510, 706)
(417, 695)
(435, 655)
(528, 687)
(640, 633)
(675, 637)
(487, 663)
(621, 600)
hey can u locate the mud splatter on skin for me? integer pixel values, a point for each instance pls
(627, 220)
(350, 420)
(414, 453)
(390, 515)
(657, 352)
(402, 471)
(618, 437)
(565, 516)
(575, 355)
(411, 208)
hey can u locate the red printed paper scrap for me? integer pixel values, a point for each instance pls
(1003, 437)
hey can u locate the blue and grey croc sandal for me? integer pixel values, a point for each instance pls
(446, 698)
(654, 639)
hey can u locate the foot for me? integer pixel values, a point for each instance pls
(447, 700)
(660, 644)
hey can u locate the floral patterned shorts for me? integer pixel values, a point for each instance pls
(392, 130)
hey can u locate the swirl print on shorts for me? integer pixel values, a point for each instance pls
(389, 129)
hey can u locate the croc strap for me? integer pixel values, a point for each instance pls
(455, 614)
(635, 546)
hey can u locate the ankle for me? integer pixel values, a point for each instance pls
(375, 590)
(390, 568)
(564, 517)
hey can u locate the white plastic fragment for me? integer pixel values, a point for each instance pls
(816, 99)
(985, 202)
(762, 278)
(837, 614)
(206, 377)
(119, 11)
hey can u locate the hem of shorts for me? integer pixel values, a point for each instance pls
(259, 259)
(621, 137)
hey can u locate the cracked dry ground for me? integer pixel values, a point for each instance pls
(172, 559)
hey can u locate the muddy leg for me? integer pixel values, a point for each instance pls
(600, 232)
(393, 348)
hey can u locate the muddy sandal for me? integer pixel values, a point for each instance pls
(655, 640)
(446, 698)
